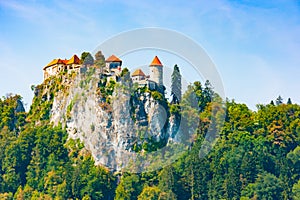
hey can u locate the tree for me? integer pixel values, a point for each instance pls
(176, 85)
(169, 195)
(83, 55)
(294, 158)
(6, 196)
(99, 59)
(208, 92)
(129, 188)
(267, 186)
(87, 58)
(289, 101)
(32, 87)
(166, 179)
(149, 193)
(279, 100)
(189, 98)
(296, 190)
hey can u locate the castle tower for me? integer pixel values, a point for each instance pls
(156, 71)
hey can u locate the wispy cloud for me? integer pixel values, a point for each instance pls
(262, 36)
(23, 10)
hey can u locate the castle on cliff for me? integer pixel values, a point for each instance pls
(58, 65)
(112, 70)
(152, 81)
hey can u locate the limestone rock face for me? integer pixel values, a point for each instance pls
(111, 126)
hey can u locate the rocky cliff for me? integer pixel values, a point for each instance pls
(116, 121)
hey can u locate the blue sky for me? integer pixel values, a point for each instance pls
(255, 45)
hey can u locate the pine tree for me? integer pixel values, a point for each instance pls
(289, 101)
(99, 59)
(167, 183)
(87, 58)
(208, 92)
(176, 85)
(279, 100)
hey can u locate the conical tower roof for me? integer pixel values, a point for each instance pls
(156, 62)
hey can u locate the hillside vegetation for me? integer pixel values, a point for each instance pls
(257, 156)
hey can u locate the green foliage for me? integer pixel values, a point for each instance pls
(176, 85)
(90, 72)
(99, 60)
(169, 195)
(267, 186)
(255, 158)
(92, 127)
(38, 163)
(197, 97)
(125, 72)
(166, 179)
(44, 95)
(157, 95)
(92, 180)
(257, 155)
(208, 92)
(84, 83)
(87, 58)
(149, 193)
(289, 101)
(279, 100)
(296, 190)
(129, 188)
(175, 109)
(110, 87)
(12, 113)
(70, 106)
(147, 144)
(106, 89)
(45, 161)
(6, 196)
(150, 144)
(69, 109)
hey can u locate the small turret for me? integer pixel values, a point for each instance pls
(156, 71)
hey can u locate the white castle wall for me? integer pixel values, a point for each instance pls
(156, 74)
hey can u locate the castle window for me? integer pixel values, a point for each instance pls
(114, 65)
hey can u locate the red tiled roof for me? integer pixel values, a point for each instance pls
(113, 58)
(65, 61)
(138, 72)
(156, 62)
(73, 60)
(55, 61)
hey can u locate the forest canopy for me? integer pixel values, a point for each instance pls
(257, 156)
